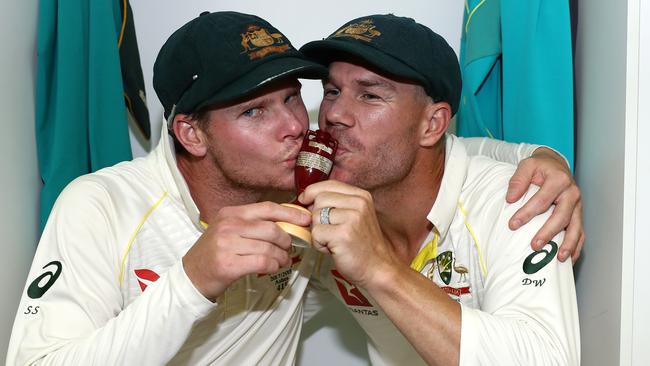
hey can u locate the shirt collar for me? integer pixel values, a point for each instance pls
(178, 183)
(453, 178)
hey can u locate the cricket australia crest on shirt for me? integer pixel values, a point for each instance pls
(259, 42)
(450, 276)
(364, 30)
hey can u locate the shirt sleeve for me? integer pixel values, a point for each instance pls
(503, 151)
(72, 310)
(528, 310)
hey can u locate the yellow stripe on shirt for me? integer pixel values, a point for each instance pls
(135, 233)
(471, 232)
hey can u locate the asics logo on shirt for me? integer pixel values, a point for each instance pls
(539, 259)
(37, 289)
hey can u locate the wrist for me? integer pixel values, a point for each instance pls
(196, 279)
(384, 278)
(549, 153)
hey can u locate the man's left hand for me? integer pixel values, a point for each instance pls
(352, 237)
(548, 170)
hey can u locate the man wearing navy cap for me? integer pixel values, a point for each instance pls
(172, 258)
(417, 233)
(168, 259)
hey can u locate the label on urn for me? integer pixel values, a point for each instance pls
(311, 160)
(321, 146)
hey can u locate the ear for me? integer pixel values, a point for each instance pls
(188, 134)
(435, 121)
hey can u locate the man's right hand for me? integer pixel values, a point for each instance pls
(241, 240)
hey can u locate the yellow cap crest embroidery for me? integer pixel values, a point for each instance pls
(364, 30)
(259, 42)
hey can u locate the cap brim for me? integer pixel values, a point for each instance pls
(330, 50)
(265, 74)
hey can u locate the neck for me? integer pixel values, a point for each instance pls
(410, 198)
(210, 189)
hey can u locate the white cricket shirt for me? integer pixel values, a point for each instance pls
(518, 307)
(107, 286)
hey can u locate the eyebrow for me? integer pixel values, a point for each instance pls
(376, 83)
(368, 83)
(253, 103)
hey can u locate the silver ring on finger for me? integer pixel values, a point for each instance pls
(325, 215)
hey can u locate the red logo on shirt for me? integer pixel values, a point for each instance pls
(350, 293)
(456, 291)
(146, 275)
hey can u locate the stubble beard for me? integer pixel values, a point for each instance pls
(382, 167)
(240, 176)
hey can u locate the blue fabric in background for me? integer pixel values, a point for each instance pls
(517, 67)
(81, 121)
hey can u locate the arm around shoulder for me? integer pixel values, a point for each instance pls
(499, 150)
(528, 313)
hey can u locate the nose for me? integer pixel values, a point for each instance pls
(336, 113)
(294, 122)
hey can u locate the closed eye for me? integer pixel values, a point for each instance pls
(370, 96)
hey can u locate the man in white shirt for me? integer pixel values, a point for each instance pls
(172, 258)
(417, 230)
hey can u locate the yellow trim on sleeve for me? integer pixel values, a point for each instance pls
(471, 232)
(137, 230)
(490, 135)
(429, 252)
